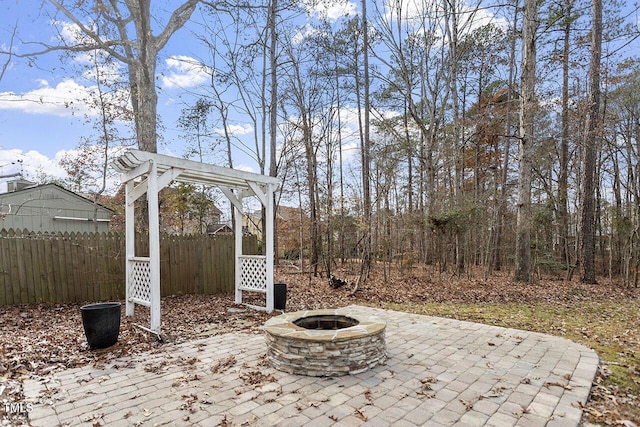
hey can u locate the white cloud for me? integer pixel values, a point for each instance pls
(37, 167)
(416, 12)
(184, 72)
(335, 10)
(70, 33)
(110, 72)
(481, 17)
(303, 33)
(32, 164)
(65, 99)
(240, 129)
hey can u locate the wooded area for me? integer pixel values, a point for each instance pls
(492, 144)
(72, 267)
(493, 135)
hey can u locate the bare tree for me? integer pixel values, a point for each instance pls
(124, 30)
(417, 75)
(273, 108)
(567, 27)
(509, 125)
(196, 130)
(88, 165)
(306, 91)
(273, 74)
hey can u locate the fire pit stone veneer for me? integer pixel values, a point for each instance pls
(323, 343)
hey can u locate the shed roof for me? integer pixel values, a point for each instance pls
(25, 191)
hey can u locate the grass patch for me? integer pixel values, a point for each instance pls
(611, 328)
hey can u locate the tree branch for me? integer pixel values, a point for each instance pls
(99, 42)
(178, 18)
(9, 54)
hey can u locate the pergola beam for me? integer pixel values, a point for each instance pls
(139, 170)
(232, 197)
(194, 172)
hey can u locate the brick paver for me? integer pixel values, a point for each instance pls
(438, 372)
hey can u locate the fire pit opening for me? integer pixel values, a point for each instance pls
(327, 322)
(324, 343)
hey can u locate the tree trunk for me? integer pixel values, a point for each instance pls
(497, 258)
(527, 110)
(589, 158)
(451, 15)
(273, 113)
(139, 54)
(365, 156)
(564, 142)
(144, 70)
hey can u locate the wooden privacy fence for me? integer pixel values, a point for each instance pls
(78, 267)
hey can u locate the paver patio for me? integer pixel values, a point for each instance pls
(439, 372)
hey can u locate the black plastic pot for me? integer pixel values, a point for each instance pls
(279, 296)
(101, 323)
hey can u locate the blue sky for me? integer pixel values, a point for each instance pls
(37, 126)
(42, 116)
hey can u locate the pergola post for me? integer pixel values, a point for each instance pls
(154, 246)
(269, 242)
(237, 212)
(130, 243)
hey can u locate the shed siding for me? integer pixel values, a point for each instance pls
(36, 208)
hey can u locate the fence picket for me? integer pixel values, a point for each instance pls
(62, 262)
(22, 265)
(38, 289)
(6, 296)
(47, 273)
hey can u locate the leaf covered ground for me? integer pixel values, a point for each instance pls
(38, 340)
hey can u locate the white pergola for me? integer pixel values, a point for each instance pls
(148, 173)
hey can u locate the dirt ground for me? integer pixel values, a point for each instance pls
(38, 340)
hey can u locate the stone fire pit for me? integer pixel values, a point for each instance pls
(323, 343)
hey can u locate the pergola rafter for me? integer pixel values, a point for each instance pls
(148, 173)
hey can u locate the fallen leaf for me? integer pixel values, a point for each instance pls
(467, 405)
(360, 414)
(223, 364)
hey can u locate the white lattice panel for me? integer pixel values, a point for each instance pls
(140, 290)
(253, 273)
